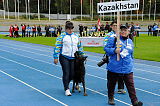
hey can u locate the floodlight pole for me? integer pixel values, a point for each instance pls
(38, 11)
(49, 10)
(18, 9)
(70, 9)
(8, 9)
(26, 8)
(143, 10)
(155, 8)
(150, 11)
(81, 9)
(15, 7)
(4, 9)
(92, 9)
(29, 9)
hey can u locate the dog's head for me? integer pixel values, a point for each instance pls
(79, 56)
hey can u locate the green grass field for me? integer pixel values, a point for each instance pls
(147, 47)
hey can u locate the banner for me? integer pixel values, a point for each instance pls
(118, 6)
(92, 41)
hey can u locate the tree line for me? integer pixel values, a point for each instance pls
(63, 6)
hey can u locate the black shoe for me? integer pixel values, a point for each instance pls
(111, 101)
(138, 103)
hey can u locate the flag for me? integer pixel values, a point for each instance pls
(99, 24)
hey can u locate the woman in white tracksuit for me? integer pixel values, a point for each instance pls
(66, 45)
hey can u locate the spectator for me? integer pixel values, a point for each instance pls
(11, 30)
(28, 29)
(16, 29)
(137, 29)
(127, 25)
(39, 31)
(34, 31)
(52, 30)
(132, 31)
(47, 30)
(23, 30)
(85, 29)
(155, 31)
(59, 30)
(107, 27)
(93, 30)
(149, 30)
(81, 30)
(102, 28)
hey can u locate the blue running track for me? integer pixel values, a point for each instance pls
(28, 77)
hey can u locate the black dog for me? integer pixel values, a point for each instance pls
(79, 75)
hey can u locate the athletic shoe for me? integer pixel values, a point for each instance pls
(111, 101)
(67, 93)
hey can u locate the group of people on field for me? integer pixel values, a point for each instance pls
(120, 71)
(153, 30)
(34, 31)
(100, 31)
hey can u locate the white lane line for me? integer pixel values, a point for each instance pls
(95, 75)
(88, 55)
(33, 88)
(29, 44)
(88, 65)
(29, 48)
(60, 66)
(57, 77)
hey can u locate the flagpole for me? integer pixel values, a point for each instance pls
(8, 9)
(155, 10)
(26, 7)
(29, 9)
(18, 9)
(137, 14)
(15, 8)
(125, 15)
(81, 9)
(100, 13)
(143, 10)
(117, 33)
(92, 9)
(38, 11)
(150, 11)
(70, 9)
(4, 10)
(111, 13)
(131, 15)
(49, 10)
(103, 13)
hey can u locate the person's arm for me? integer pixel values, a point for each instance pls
(110, 47)
(57, 48)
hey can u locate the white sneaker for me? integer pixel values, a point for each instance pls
(67, 92)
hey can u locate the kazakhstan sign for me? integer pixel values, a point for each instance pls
(118, 6)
